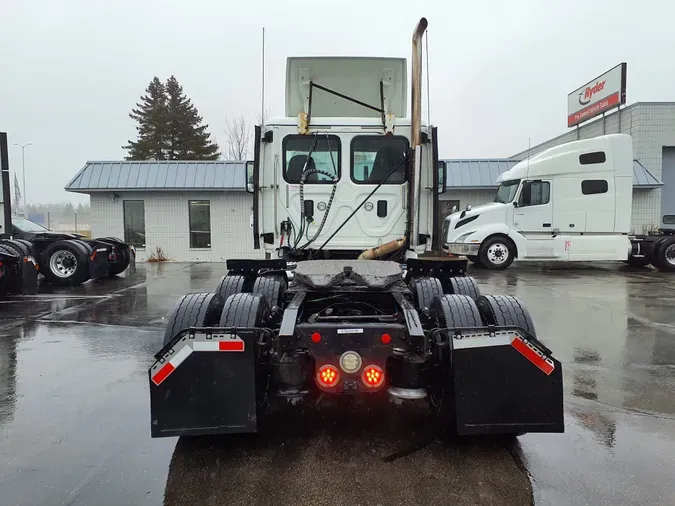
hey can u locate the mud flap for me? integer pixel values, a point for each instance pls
(132, 260)
(98, 263)
(204, 382)
(29, 277)
(506, 383)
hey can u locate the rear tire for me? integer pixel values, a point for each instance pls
(453, 311)
(497, 253)
(664, 256)
(193, 310)
(450, 311)
(244, 310)
(231, 284)
(425, 290)
(65, 263)
(17, 246)
(505, 310)
(272, 288)
(462, 286)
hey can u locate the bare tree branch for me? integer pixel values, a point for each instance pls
(239, 136)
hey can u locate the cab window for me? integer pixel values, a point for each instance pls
(373, 157)
(535, 193)
(325, 157)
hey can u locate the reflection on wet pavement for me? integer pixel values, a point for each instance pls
(74, 413)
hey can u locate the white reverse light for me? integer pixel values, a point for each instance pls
(350, 362)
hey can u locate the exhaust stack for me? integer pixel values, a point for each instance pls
(416, 120)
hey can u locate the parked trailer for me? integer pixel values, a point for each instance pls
(569, 203)
(349, 307)
(63, 259)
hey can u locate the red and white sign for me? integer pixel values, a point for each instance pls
(597, 96)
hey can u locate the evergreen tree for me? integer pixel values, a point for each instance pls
(151, 116)
(188, 138)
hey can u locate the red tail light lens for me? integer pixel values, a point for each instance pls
(373, 376)
(316, 337)
(328, 376)
(386, 338)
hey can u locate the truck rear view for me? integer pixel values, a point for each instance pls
(346, 305)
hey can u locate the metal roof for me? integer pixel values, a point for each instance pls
(642, 178)
(159, 175)
(476, 174)
(481, 174)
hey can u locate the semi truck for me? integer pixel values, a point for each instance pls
(569, 203)
(354, 298)
(28, 249)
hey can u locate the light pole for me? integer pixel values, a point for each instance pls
(23, 170)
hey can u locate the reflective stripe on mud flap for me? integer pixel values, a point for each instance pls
(504, 338)
(217, 342)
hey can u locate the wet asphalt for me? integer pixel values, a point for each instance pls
(74, 408)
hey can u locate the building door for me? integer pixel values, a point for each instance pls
(668, 189)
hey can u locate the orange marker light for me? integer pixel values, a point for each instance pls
(373, 376)
(328, 376)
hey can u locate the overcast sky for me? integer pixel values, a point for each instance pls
(500, 70)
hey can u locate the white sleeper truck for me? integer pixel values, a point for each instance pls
(570, 203)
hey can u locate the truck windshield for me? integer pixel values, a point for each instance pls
(507, 191)
(27, 226)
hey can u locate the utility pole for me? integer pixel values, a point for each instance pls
(23, 170)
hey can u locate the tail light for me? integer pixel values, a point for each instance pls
(328, 376)
(373, 376)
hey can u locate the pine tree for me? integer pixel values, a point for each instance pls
(187, 138)
(151, 116)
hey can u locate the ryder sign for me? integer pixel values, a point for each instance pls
(599, 95)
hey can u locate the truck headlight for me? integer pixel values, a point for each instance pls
(463, 237)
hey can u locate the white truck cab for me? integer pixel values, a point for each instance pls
(569, 203)
(344, 172)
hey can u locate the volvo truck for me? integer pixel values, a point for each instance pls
(570, 203)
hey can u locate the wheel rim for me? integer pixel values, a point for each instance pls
(63, 264)
(498, 253)
(669, 254)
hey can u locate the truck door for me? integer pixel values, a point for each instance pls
(533, 217)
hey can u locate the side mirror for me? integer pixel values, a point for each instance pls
(455, 209)
(515, 204)
(250, 187)
(442, 184)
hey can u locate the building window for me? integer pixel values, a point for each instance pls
(535, 193)
(591, 158)
(593, 186)
(375, 156)
(134, 223)
(325, 157)
(200, 223)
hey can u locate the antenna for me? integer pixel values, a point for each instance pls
(262, 110)
(529, 146)
(426, 35)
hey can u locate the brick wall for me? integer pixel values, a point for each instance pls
(652, 126)
(167, 223)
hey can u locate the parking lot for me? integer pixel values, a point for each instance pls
(74, 408)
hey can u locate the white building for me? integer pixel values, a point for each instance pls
(200, 211)
(652, 126)
(193, 211)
